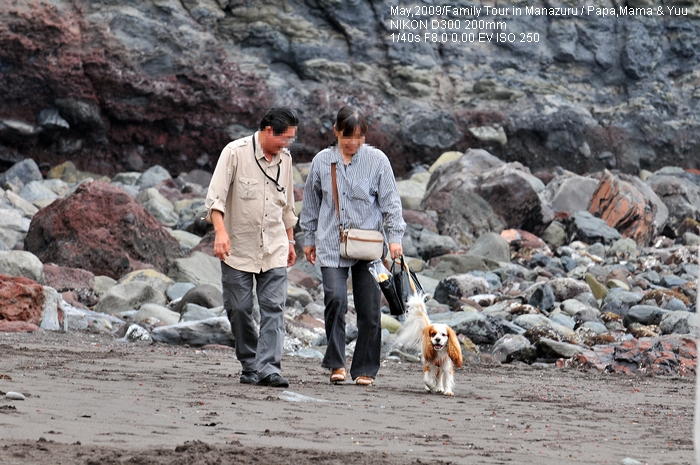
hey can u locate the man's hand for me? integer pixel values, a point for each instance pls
(291, 256)
(222, 243)
(310, 253)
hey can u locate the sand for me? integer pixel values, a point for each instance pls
(92, 399)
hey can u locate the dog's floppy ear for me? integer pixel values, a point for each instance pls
(428, 350)
(454, 350)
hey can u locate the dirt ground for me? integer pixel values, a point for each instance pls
(92, 399)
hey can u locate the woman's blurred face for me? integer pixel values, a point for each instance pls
(349, 145)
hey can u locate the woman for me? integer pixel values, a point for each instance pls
(368, 199)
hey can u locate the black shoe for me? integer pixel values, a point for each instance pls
(274, 380)
(249, 377)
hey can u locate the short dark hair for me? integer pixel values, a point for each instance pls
(279, 118)
(349, 119)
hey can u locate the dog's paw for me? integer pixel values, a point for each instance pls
(449, 393)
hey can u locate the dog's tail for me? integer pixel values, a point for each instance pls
(416, 321)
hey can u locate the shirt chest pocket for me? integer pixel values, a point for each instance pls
(360, 191)
(248, 188)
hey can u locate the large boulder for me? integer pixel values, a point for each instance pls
(102, 229)
(680, 194)
(624, 208)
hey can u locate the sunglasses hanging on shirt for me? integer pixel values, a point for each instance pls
(276, 180)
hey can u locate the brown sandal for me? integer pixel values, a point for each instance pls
(364, 381)
(338, 375)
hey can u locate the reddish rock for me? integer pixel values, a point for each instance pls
(63, 278)
(17, 327)
(420, 218)
(296, 276)
(624, 208)
(101, 229)
(309, 322)
(514, 201)
(21, 299)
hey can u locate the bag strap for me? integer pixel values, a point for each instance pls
(335, 196)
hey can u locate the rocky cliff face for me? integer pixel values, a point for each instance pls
(119, 85)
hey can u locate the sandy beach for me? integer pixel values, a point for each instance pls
(93, 399)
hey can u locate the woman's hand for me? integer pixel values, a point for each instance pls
(310, 253)
(395, 250)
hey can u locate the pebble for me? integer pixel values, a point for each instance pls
(14, 396)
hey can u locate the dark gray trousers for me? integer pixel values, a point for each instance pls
(257, 352)
(367, 296)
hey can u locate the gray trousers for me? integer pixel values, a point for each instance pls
(367, 296)
(257, 352)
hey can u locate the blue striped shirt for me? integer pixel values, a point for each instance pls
(368, 198)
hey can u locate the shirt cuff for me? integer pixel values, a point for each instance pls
(309, 239)
(394, 239)
(218, 205)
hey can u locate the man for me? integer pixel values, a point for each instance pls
(250, 202)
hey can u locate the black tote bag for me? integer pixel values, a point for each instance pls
(402, 284)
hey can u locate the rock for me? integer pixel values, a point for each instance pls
(660, 356)
(296, 294)
(480, 328)
(127, 296)
(188, 241)
(492, 246)
(680, 323)
(459, 264)
(21, 299)
(17, 202)
(585, 227)
(194, 312)
(680, 195)
(624, 208)
(598, 289)
(625, 249)
(532, 321)
(690, 239)
(514, 201)
(429, 245)
(554, 234)
(21, 263)
(153, 278)
(508, 345)
(555, 349)
(11, 395)
(620, 302)
(542, 298)
(137, 333)
(63, 278)
(411, 193)
(152, 176)
(205, 295)
(570, 193)
(158, 206)
(457, 286)
(564, 320)
(17, 327)
(150, 311)
(101, 229)
(390, 323)
(79, 319)
(20, 174)
(178, 290)
(50, 317)
(13, 227)
(644, 314)
(38, 193)
(198, 268)
(196, 333)
(567, 288)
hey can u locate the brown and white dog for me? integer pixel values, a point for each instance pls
(441, 351)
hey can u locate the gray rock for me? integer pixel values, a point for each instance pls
(205, 295)
(431, 245)
(137, 333)
(21, 263)
(38, 193)
(680, 323)
(13, 226)
(198, 268)
(128, 178)
(298, 294)
(586, 227)
(411, 193)
(563, 319)
(680, 195)
(623, 248)
(555, 349)
(79, 319)
(21, 173)
(596, 326)
(196, 333)
(690, 239)
(529, 321)
(187, 240)
(461, 285)
(554, 234)
(675, 305)
(619, 301)
(480, 328)
(572, 306)
(671, 281)
(492, 246)
(542, 298)
(567, 288)
(127, 296)
(194, 312)
(148, 312)
(459, 264)
(570, 193)
(152, 176)
(509, 344)
(644, 314)
(178, 290)
(153, 278)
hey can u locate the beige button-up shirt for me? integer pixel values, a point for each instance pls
(256, 214)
